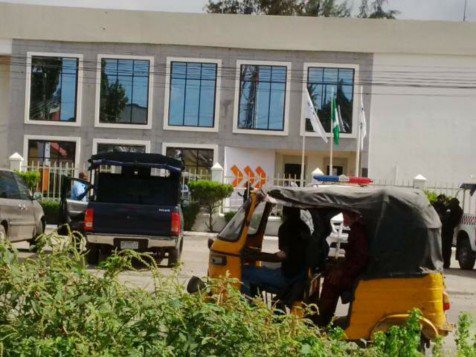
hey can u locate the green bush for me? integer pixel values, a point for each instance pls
(190, 214)
(209, 195)
(53, 306)
(51, 209)
(229, 216)
(31, 178)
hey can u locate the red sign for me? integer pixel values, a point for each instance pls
(262, 177)
(238, 175)
(251, 175)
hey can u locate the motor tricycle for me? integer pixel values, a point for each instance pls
(404, 243)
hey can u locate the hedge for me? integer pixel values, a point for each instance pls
(51, 209)
(53, 306)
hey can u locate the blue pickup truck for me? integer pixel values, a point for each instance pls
(132, 201)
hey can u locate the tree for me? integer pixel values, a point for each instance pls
(209, 195)
(279, 7)
(325, 8)
(377, 11)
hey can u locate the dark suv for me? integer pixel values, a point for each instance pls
(132, 202)
(21, 217)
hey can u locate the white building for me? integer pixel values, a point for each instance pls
(418, 80)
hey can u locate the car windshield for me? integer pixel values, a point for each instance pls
(232, 230)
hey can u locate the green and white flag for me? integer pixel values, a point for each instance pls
(335, 120)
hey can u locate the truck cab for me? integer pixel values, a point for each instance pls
(132, 201)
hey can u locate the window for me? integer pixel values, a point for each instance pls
(45, 152)
(53, 89)
(323, 84)
(124, 92)
(23, 190)
(262, 97)
(8, 186)
(194, 160)
(102, 148)
(192, 94)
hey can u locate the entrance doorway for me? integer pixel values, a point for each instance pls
(292, 171)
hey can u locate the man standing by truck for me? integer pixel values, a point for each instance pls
(450, 220)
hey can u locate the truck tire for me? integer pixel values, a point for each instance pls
(465, 255)
(92, 254)
(174, 255)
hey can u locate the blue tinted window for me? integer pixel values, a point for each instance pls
(192, 94)
(124, 91)
(262, 97)
(323, 83)
(53, 88)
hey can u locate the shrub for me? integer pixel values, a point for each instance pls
(51, 209)
(229, 216)
(31, 178)
(209, 195)
(53, 306)
(190, 214)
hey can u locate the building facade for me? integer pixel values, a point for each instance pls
(230, 89)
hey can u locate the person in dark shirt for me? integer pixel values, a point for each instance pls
(450, 220)
(440, 206)
(342, 276)
(293, 236)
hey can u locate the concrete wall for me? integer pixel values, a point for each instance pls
(157, 135)
(21, 21)
(430, 130)
(4, 109)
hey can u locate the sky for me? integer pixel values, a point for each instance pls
(451, 10)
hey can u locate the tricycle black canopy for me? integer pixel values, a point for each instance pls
(403, 228)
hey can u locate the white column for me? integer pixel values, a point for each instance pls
(16, 161)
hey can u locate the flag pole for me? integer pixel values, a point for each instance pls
(303, 155)
(332, 136)
(359, 133)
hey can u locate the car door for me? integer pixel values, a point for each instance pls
(72, 210)
(28, 220)
(11, 206)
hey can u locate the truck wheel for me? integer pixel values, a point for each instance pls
(92, 254)
(174, 255)
(466, 257)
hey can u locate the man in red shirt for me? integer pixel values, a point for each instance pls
(343, 275)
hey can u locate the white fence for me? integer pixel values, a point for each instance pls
(51, 177)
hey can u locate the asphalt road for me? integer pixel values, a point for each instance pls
(461, 285)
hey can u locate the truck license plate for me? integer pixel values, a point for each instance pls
(127, 244)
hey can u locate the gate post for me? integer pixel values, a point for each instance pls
(16, 161)
(217, 173)
(419, 182)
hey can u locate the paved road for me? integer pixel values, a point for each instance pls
(461, 285)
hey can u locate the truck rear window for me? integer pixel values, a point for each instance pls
(136, 189)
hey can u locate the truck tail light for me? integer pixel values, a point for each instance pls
(89, 219)
(176, 225)
(446, 301)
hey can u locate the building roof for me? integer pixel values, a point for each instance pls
(37, 22)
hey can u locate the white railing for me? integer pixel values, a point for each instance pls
(51, 175)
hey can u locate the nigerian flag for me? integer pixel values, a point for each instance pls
(335, 120)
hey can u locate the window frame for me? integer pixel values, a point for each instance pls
(285, 130)
(76, 140)
(355, 104)
(79, 88)
(168, 73)
(98, 141)
(97, 108)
